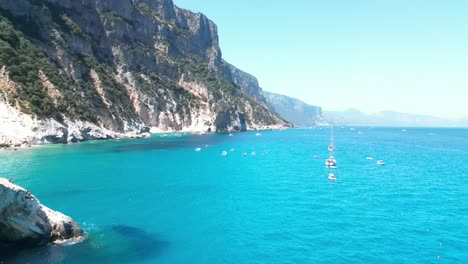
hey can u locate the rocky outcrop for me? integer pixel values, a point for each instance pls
(19, 130)
(296, 111)
(24, 221)
(121, 65)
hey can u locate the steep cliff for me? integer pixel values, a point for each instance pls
(248, 84)
(120, 66)
(294, 110)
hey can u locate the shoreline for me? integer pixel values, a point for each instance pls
(19, 130)
(15, 145)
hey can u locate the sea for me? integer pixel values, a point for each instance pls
(158, 200)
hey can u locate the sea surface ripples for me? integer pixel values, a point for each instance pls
(158, 200)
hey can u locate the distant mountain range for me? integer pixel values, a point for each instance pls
(389, 118)
(293, 110)
(302, 114)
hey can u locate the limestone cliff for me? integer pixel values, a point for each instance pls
(248, 84)
(24, 221)
(294, 110)
(121, 66)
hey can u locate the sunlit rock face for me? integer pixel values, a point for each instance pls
(24, 221)
(122, 66)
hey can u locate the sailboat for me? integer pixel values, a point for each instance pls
(331, 161)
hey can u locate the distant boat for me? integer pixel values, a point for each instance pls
(254, 153)
(380, 162)
(224, 153)
(197, 149)
(231, 135)
(369, 158)
(232, 149)
(332, 177)
(258, 134)
(331, 161)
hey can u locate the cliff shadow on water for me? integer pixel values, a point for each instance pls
(115, 244)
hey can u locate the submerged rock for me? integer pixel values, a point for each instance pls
(24, 221)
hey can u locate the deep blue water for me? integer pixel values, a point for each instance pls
(157, 200)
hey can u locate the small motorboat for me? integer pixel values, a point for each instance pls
(232, 149)
(231, 135)
(244, 154)
(330, 162)
(380, 162)
(197, 149)
(369, 158)
(224, 153)
(258, 134)
(332, 177)
(254, 153)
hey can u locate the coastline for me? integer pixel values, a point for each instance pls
(19, 130)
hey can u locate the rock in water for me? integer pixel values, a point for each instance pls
(24, 221)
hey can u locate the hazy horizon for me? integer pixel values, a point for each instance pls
(400, 56)
(379, 111)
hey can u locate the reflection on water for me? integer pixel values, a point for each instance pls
(117, 244)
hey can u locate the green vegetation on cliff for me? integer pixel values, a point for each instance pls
(118, 64)
(23, 60)
(224, 92)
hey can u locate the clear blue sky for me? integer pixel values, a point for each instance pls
(403, 55)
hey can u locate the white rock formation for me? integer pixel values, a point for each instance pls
(24, 221)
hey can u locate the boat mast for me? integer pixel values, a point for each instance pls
(331, 147)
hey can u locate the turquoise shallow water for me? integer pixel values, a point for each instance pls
(158, 201)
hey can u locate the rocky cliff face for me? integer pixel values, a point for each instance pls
(24, 221)
(121, 66)
(248, 84)
(294, 110)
